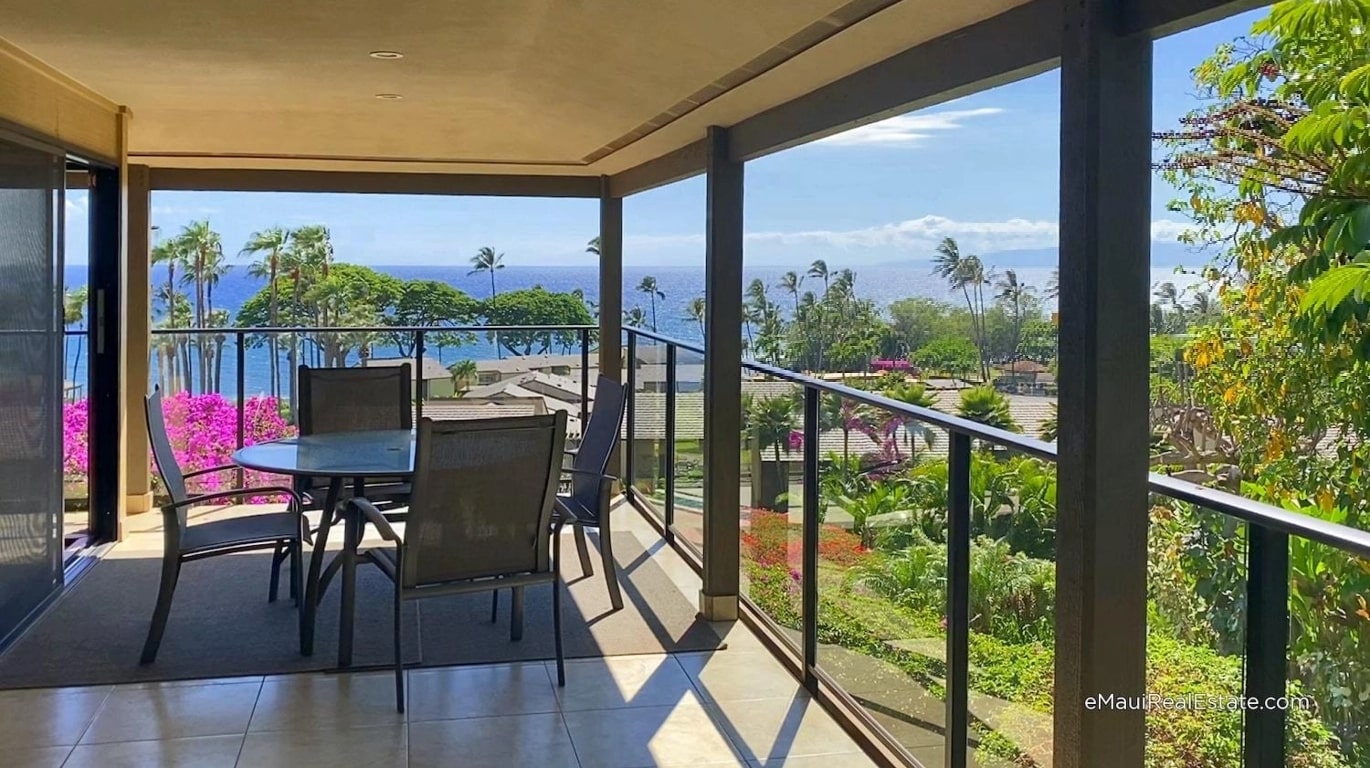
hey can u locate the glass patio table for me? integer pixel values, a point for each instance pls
(360, 456)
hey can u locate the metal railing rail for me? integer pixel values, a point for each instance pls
(1269, 529)
(585, 335)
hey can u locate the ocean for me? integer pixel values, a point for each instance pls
(882, 284)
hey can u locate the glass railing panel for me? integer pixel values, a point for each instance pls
(772, 497)
(1327, 704)
(1012, 590)
(75, 434)
(647, 428)
(688, 459)
(882, 567)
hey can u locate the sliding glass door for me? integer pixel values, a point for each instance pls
(31, 380)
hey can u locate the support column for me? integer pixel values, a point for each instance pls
(137, 341)
(610, 281)
(722, 379)
(611, 301)
(1102, 509)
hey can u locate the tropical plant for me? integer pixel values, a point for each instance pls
(988, 406)
(464, 374)
(635, 317)
(1050, 427)
(74, 313)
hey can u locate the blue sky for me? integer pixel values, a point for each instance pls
(982, 169)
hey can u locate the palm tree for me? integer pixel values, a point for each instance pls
(593, 245)
(269, 244)
(486, 260)
(202, 255)
(695, 311)
(635, 317)
(819, 269)
(464, 373)
(791, 281)
(1053, 290)
(967, 275)
(650, 287)
(1013, 293)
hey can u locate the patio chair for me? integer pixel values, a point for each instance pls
(281, 532)
(335, 400)
(591, 489)
(480, 517)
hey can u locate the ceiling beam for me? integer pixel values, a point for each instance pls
(373, 182)
(673, 166)
(1158, 18)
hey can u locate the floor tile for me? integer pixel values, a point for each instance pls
(250, 679)
(37, 757)
(492, 742)
(326, 702)
(383, 746)
(173, 713)
(484, 691)
(739, 675)
(41, 718)
(623, 681)
(768, 728)
(678, 735)
(199, 752)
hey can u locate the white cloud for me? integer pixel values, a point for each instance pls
(1169, 230)
(907, 130)
(921, 234)
(181, 210)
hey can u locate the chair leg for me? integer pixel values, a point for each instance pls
(277, 558)
(556, 608)
(606, 553)
(297, 590)
(583, 549)
(494, 606)
(516, 615)
(399, 652)
(171, 571)
(296, 569)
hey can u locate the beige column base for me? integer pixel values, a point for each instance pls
(718, 607)
(138, 503)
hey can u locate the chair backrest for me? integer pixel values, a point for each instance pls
(482, 498)
(162, 453)
(354, 399)
(598, 441)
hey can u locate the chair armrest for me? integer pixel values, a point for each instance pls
(209, 470)
(372, 515)
(230, 493)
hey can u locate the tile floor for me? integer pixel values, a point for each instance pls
(736, 707)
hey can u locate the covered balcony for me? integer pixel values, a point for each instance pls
(752, 633)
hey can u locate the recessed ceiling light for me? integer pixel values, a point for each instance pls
(389, 96)
(386, 55)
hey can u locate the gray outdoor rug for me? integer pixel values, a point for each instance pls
(222, 626)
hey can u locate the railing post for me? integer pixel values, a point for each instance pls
(584, 378)
(670, 438)
(1267, 639)
(958, 600)
(631, 387)
(418, 375)
(809, 581)
(241, 357)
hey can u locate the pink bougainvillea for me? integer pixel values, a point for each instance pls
(203, 430)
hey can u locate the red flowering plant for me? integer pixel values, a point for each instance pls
(203, 430)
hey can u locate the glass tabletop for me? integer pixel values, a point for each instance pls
(384, 453)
